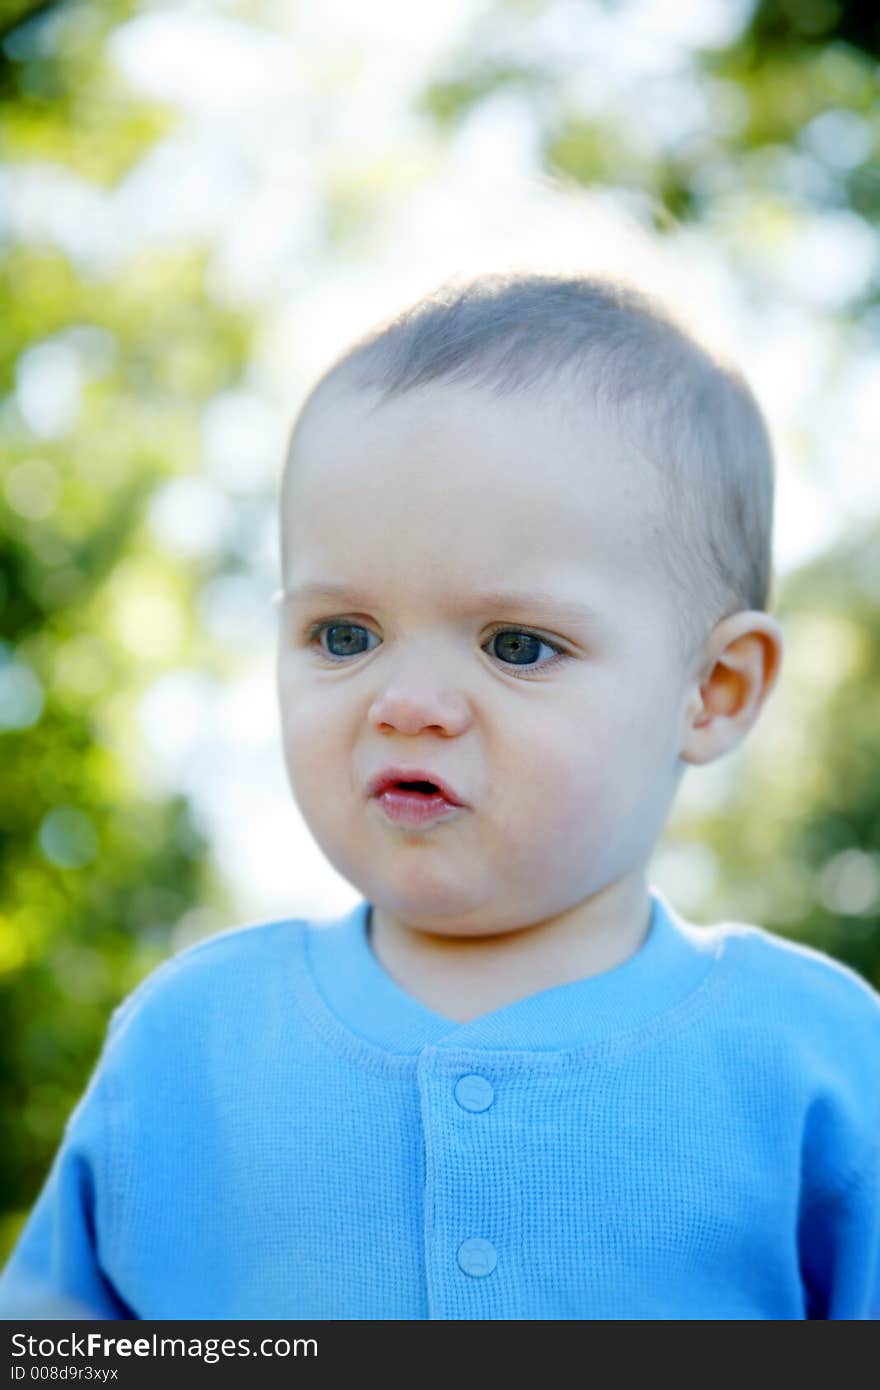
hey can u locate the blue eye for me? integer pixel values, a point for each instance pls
(349, 642)
(517, 647)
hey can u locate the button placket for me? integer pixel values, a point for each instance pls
(476, 1255)
(472, 1200)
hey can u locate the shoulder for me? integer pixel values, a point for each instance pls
(790, 973)
(805, 1016)
(227, 976)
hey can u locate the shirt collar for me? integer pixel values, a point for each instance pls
(671, 963)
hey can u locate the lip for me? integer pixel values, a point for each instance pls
(412, 811)
(390, 776)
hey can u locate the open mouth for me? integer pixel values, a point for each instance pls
(410, 785)
(416, 805)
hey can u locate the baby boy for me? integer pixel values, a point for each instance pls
(526, 561)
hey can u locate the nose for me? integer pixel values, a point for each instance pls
(415, 699)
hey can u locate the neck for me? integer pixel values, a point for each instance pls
(462, 977)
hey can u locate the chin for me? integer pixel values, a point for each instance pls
(438, 906)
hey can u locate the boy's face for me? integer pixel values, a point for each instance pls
(567, 764)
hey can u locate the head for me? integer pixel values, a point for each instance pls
(563, 441)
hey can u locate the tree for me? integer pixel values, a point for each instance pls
(106, 362)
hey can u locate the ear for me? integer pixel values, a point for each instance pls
(739, 668)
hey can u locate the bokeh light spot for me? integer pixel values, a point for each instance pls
(82, 666)
(32, 489)
(849, 883)
(147, 614)
(13, 953)
(190, 517)
(47, 389)
(21, 696)
(67, 838)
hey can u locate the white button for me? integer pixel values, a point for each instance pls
(477, 1256)
(474, 1092)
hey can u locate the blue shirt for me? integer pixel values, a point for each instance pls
(276, 1129)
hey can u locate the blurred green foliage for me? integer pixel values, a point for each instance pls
(94, 873)
(795, 60)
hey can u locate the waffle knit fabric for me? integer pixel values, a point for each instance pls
(276, 1129)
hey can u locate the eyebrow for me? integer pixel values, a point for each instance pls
(536, 601)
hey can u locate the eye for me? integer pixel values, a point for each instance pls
(347, 637)
(518, 648)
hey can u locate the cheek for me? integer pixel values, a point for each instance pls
(590, 763)
(556, 778)
(313, 740)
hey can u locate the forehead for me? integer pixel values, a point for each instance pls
(448, 479)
